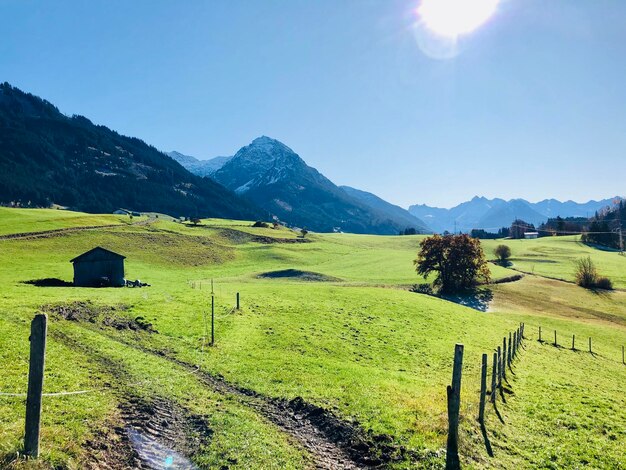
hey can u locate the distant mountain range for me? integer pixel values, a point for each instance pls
(274, 177)
(199, 167)
(491, 214)
(47, 157)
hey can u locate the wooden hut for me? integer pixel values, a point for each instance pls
(99, 267)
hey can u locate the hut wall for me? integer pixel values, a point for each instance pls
(89, 273)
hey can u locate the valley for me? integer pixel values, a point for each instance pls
(333, 364)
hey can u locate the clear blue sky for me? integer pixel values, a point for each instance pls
(533, 106)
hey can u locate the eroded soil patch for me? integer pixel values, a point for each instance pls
(239, 237)
(299, 275)
(106, 315)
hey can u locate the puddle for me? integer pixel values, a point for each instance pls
(155, 455)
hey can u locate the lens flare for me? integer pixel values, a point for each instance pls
(454, 18)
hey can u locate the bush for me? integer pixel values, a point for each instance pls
(503, 253)
(423, 289)
(261, 224)
(586, 273)
(604, 283)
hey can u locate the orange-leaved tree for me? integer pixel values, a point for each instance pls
(457, 260)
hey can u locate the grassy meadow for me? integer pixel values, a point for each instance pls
(356, 343)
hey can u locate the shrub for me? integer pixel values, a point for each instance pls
(503, 253)
(261, 224)
(604, 283)
(586, 273)
(423, 289)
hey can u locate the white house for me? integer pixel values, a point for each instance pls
(531, 235)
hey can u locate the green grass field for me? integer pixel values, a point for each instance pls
(375, 356)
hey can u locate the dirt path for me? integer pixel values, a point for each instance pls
(332, 442)
(155, 434)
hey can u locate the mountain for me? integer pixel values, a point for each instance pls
(491, 214)
(397, 213)
(274, 177)
(199, 167)
(47, 157)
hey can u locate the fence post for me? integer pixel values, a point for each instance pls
(555, 343)
(212, 320)
(623, 362)
(573, 342)
(540, 334)
(237, 300)
(483, 390)
(590, 344)
(504, 357)
(499, 367)
(38, 332)
(494, 373)
(514, 344)
(454, 406)
(508, 352)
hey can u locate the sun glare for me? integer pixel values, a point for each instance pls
(455, 17)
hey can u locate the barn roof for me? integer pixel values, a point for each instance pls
(98, 250)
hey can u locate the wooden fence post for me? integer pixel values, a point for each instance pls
(573, 342)
(623, 362)
(212, 320)
(540, 334)
(504, 357)
(483, 390)
(555, 343)
(508, 352)
(494, 373)
(237, 300)
(514, 344)
(590, 344)
(499, 367)
(38, 332)
(454, 406)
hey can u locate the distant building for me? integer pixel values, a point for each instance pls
(121, 212)
(519, 228)
(99, 267)
(531, 235)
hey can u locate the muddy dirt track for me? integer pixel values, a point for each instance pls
(332, 443)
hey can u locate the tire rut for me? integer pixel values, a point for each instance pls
(332, 442)
(154, 434)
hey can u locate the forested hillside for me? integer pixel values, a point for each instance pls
(47, 157)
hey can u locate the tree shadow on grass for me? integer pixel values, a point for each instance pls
(478, 299)
(49, 282)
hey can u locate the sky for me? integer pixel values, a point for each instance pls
(530, 105)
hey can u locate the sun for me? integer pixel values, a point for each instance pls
(455, 17)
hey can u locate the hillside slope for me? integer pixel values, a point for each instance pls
(398, 214)
(47, 157)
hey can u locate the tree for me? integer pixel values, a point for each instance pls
(304, 232)
(457, 260)
(194, 220)
(503, 252)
